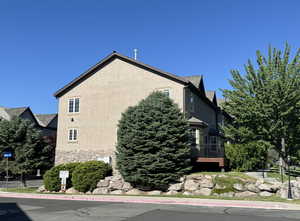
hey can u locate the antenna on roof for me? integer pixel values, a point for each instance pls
(135, 53)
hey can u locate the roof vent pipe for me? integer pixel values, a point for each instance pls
(135, 53)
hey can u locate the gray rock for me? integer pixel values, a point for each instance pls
(135, 192)
(239, 187)
(251, 187)
(191, 185)
(176, 187)
(203, 192)
(187, 193)
(245, 194)
(41, 189)
(207, 182)
(116, 184)
(88, 193)
(102, 190)
(127, 186)
(265, 187)
(116, 177)
(72, 191)
(154, 192)
(117, 192)
(171, 192)
(194, 177)
(103, 183)
(265, 193)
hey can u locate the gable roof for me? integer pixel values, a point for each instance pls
(110, 58)
(45, 119)
(8, 113)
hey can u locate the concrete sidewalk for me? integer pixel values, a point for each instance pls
(159, 200)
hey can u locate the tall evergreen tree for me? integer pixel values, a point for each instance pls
(152, 147)
(265, 101)
(30, 151)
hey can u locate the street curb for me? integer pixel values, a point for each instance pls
(159, 200)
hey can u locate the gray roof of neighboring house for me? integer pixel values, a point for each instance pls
(197, 122)
(45, 119)
(8, 113)
(194, 79)
(210, 95)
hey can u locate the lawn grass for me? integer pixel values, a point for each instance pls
(20, 190)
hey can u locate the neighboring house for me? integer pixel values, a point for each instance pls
(46, 123)
(91, 105)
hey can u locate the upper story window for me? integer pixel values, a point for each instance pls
(73, 134)
(192, 102)
(166, 92)
(74, 105)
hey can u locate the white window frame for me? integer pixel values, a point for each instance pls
(166, 91)
(73, 100)
(71, 133)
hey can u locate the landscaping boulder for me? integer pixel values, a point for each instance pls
(187, 193)
(265, 193)
(171, 192)
(239, 187)
(206, 182)
(72, 190)
(116, 192)
(135, 192)
(41, 189)
(191, 185)
(245, 194)
(203, 192)
(101, 190)
(103, 183)
(252, 188)
(154, 192)
(126, 186)
(176, 187)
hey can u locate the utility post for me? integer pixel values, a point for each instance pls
(7, 155)
(288, 159)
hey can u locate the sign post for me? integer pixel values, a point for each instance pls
(63, 175)
(7, 155)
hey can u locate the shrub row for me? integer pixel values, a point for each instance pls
(83, 176)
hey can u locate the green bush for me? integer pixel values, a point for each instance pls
(247, 156)
(153, 149)
(86, 175)
(52, 181)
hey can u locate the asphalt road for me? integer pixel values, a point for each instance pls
(62, 210)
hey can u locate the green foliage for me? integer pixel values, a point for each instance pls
(265, 103)
(30, 151)
(52, 181)
(226, 183)
(87, 174)
(247, 156)
(152, 146)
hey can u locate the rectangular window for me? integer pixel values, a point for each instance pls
(213, 143)
(76, 105)
(192, 102)
(166, 92)
(73, 105)
(73, 134)
(193, 136)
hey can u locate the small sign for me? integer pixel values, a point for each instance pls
(63, 174)
(7, 154)
(106, 159)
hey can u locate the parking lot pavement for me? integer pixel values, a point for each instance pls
(49, 210)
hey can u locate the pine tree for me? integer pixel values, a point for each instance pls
(30, 151)
(265, 102)
(152, 146)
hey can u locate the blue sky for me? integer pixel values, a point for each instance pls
(45, 44)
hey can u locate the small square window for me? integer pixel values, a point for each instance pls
(166, 92)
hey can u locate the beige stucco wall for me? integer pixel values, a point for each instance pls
(103, 97)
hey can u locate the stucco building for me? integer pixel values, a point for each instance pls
(90, 106)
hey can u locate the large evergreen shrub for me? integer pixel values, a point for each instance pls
(86, 175)
(52, 181)
(152, 146)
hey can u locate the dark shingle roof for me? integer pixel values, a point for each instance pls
(15, 112)
(195, 79)
(45, 119)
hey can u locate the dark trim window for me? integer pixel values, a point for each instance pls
(192, 102)
(73, 134)
(74, 105)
